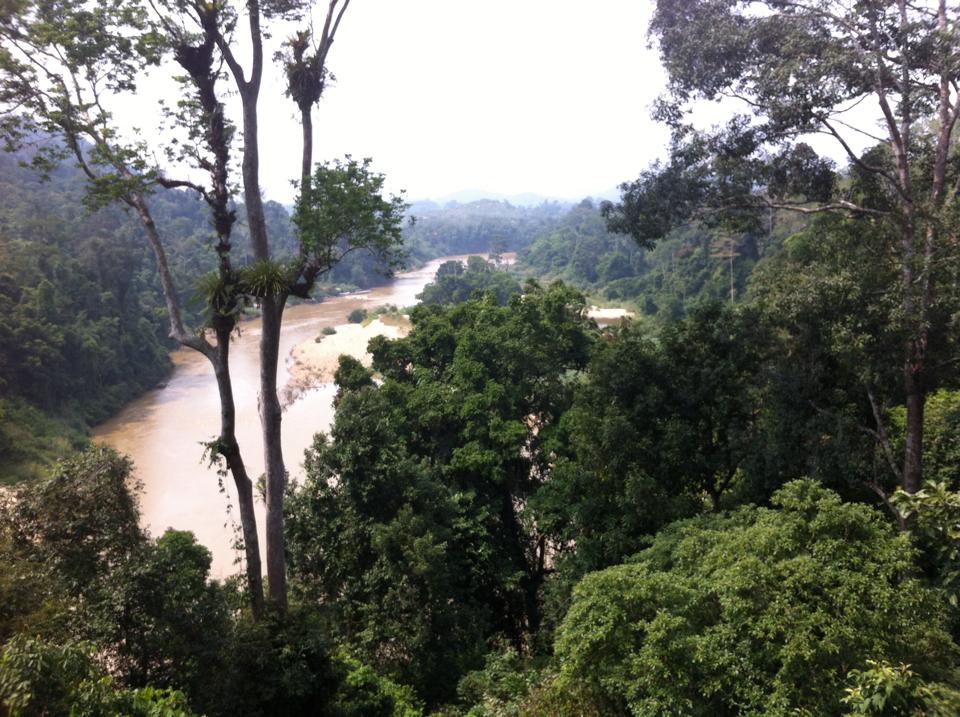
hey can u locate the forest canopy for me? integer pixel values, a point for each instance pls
(742, 501)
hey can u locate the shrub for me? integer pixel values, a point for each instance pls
(357, 316)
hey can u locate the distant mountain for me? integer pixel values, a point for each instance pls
(525, 199)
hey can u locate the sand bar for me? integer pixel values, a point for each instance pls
(312, 363)
(608, 315)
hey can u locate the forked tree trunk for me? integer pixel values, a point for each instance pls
(227, 441)
(272, 316)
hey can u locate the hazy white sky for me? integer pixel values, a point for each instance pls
(551, 97)
(545, 96)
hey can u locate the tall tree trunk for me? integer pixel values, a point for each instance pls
(921, 302)
(270, 422)
(253, 201)
(270, 412)
(913, 451)
(230, 450)
(306, 162)
(914, 312)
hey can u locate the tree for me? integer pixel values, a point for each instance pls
(59, 67)
(77, 567)
(798, 67)
(454, 282)
(662, 426)
(714, 360)
(81, 523)
(269, 283)
(412, 530)
(830, 298)
(756, 611)
(607, 490)
(165, 622)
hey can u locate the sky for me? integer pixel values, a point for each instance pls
(551, 97)
(507, 96)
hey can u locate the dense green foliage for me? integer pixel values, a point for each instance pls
(38, 678)
(657, 427)
(686, 266)
(579, 249)
(78, 320)
(77, 564)
(759, 611)
(409, 530)
(455, 282)
(457, 514)
(96, 615)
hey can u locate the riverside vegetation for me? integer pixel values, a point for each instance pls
(745, 502)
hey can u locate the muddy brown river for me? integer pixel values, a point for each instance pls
(163, 431)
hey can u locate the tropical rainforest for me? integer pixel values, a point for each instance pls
(743, 500)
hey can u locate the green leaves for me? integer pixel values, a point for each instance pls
(343, 208)
(759, 611)
(61, 61)
(884, 689)
(412, 527)
(454, 283)
(263, 278)
(41, 678)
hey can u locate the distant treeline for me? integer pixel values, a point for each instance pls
(686, 266)
(480, 226)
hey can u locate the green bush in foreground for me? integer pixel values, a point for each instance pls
(40, 678)
(885, 689)
(758, 611)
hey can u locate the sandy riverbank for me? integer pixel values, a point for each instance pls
(606, 316)
(313, 363)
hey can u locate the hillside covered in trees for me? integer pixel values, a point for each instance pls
(84, 320)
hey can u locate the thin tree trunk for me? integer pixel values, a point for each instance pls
(253, 202)
(177, 330)
(306, 164)
(270, 421)
(917, 308)
(914, 351)
(230, 451)
(913, 452)
(198, 62)
(270, 411)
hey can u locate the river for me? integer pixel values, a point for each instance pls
(163, 431)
